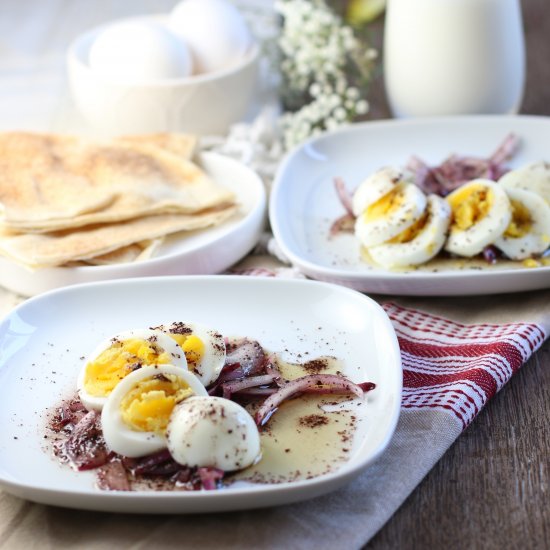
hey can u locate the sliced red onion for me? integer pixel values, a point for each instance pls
(506, 150)
(421, 173)
(344, 195)
(491, 254)
(228, 372)
(146, 464)
(165, 469)
(252, 381)
(323, 390)
(70, 412)
(112, 477)
(85, 447)
(248, 354)
(210, 477)
(344, 224)
(76, 406)
(272, 369)
(182, 476)
(255, 392)
(456, 170)
(301, 385)
(232, 372)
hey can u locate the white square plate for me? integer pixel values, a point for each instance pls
(42, 341)
(303, 201)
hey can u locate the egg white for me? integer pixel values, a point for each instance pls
(163, 341)
(139, 52)
(372, 231)
(212, 431)
(209, 367)
(373, 188)
(534, 177)
(537, 239)
(121, 438)
(214, 30)
(484, 231)
(426, 243)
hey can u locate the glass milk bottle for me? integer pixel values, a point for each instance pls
(452, 57)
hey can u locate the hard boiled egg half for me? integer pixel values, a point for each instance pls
(137, 412)
(534, 177)
(215, 432)
(420, 242)
(118, 356)
(386, 205)
(481, 212)
(528, 232)
(204, 348)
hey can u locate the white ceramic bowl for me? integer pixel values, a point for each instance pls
(199, 104)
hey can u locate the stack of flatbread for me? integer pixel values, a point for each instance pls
(68, 201)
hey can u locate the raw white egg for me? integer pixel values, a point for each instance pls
(373, 188)
(139, 52)
(420, 242)
(534, 177)
(204, 348)
(529, 231)
(390, 215)
(215, 432)
(481, 212)
(137, 412)
(215, 32)
(118, 356)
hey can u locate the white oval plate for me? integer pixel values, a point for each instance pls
(42, 341)
(303, 202)
(201, 252)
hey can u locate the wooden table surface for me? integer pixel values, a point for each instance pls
(491, 488)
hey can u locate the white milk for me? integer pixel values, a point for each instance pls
(450, 57)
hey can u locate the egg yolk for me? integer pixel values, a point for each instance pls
(412, 232)
(470, 205)
(385, 205)
(530, 262)
(192, 346)
(148, 405)
(521, 223)
(119, 360)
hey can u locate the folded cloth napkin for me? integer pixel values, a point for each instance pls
(450, 369)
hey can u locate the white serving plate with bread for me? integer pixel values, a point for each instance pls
(205, 251)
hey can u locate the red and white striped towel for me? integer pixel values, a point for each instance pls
(456, 367)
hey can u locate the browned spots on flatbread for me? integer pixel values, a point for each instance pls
(66, 200)
(48, 182)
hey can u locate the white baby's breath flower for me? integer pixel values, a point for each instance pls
(315, 89)
(340, 114)
(362, 107)
(331, 123)
(324, 67)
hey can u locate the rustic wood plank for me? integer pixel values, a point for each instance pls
(490, 490)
